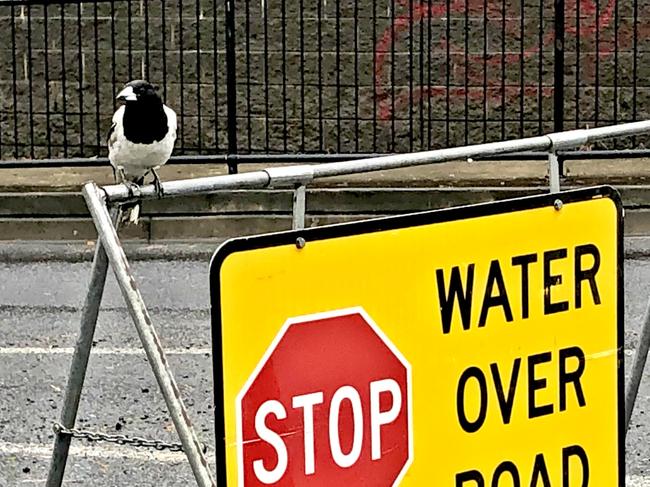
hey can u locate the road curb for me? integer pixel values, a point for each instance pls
(63, 217)
(25, 252)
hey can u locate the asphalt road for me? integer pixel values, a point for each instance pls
(39, 316)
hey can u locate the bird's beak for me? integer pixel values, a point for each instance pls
(127, 94)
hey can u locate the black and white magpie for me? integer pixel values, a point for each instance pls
(141, 138)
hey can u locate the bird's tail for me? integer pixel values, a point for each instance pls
(131, 212)
(131, 209)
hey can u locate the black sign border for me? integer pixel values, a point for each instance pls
(241, 244)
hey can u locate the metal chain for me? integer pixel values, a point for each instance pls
(117, 439)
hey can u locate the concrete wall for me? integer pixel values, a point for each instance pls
(389, 92)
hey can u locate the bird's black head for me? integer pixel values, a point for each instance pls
(139, 91)
(144, 120)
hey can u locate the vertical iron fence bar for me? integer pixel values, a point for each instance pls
(558, 67)
(147, 73)
(265, 15)
(597, 73)
(64, 103)
(80, 80)
(337, 24)
(522, 85)
(374, 77)
(503, 69)
(302, 75)
(635, 40)
(448, 72)
(215, 74)
(283, 19)
(319, 36)
(231, 87)
(2, 113)
(98, 130)
(391, 148)
(615, 110)
(485, 76)
(163, 44)
(429, 87)
(199, 127)
(180, 73)
(355, 26)
(46, 50)
(31, 81)
(129, 36)
(577, 65)
(113, 56)
(420, 93)
(14, 77)
(466, 71)
(248, 78)
(540, 73)
(411, 109)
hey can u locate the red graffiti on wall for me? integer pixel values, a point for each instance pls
(596, 21)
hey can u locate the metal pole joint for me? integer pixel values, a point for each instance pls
(568, 140)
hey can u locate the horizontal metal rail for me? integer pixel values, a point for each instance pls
(302, 174)
(564, 155)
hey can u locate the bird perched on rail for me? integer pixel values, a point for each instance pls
(141, 139)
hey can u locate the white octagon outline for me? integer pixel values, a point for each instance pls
(314, 317)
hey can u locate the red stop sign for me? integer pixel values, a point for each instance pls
(329, 404)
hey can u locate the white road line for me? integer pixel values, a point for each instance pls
(98, 351)
(95, 451)
(129, 453)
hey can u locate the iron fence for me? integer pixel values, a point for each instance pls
(324, 76)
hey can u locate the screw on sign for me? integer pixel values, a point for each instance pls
(329, 404)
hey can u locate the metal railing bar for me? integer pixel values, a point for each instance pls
(316, 158)
(300, 174)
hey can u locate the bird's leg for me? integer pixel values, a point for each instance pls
(157, 184)
(120, 175)
(120, 178)
(132, 187)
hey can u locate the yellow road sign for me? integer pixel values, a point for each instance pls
(494, 332)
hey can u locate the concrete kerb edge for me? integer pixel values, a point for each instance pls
(636, 247)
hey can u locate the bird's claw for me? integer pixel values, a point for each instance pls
(157, 184)
(134, 189)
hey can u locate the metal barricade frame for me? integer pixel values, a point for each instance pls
(104, 205)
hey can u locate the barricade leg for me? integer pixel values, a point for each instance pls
(553, 172)
(299, 206)
(79, 363)
(638, 365)
(148, 336)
